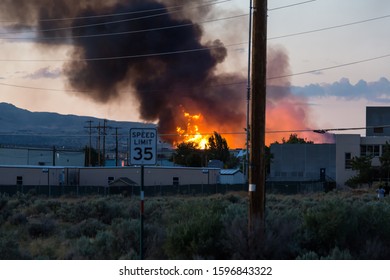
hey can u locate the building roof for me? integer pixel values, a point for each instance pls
(122, 181)
(229, 171)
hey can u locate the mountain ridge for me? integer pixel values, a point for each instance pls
(21, 127)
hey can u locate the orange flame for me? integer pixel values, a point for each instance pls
(191, 133)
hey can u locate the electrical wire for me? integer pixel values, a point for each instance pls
(142, 91)
(124, 32)
(127, 56)
(330, 67)
(108, 15)
(314, 130)
(238, 83)
(328, 28)
(291, 5)
(110, 22)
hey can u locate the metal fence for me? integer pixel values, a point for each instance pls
(165, 190)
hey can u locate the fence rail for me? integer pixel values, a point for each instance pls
(164, 190)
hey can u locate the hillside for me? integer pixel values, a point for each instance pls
(20, 127)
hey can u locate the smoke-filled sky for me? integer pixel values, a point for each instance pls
(147, 60)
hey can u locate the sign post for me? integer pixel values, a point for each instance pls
(143, 151)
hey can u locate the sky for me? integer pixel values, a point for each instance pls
(335, 63)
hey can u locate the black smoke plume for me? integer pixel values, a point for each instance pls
(134, 44)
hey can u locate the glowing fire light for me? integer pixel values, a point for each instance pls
(191, 132)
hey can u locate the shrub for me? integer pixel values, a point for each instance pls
(88, 228)
(41, 228)
(84, 249)
(9, 248)
(18, 219)
(127, 237)
(106, 211)
(195, 231)
(329, 224)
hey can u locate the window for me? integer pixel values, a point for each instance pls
(175, 181)
(369, 150)
(376, 150)
(19, 180)
(363, 150)
(110, 179)
(348, 161)
(378, 129)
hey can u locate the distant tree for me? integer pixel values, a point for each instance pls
(188, 154)
(294, 139)
(217, 148)
(385, 160)
(268, 159)
(365, 171)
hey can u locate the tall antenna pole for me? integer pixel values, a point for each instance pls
(257, 127)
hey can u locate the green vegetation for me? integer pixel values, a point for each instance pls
(335, 225)
(365, 172)
(190, 154)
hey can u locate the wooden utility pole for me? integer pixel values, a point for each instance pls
(90, 141)
(257, 119)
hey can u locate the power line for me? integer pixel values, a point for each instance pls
(113, 22)
(126, 56)
(143, 91)
(106, 15)
(237, 83)
(325, 130)
(314, 130)
(291, 5)
(125, 32)
(330, 67)
(328, 28)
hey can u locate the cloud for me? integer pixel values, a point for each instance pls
(378, 91)
(45, 73)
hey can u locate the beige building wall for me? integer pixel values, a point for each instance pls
(347, 145)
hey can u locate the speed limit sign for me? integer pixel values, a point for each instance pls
(143, 146)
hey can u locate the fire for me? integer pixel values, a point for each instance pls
(191, 133)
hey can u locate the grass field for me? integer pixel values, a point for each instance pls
(335, 225)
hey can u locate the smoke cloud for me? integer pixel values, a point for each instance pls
(286, 113)
(168, 69)
(135, 47)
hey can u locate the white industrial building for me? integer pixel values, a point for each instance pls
(306, 162)
(103, 176)
(41, 157)
(232, 177)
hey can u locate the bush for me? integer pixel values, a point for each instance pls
(18, 219)
(329, 224)
(106, 211)
(127, 238)
(41, 228)
(195, 231)
(88, 228)
(9, 248)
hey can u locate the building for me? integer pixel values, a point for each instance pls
(232, 177)
(103, 176)
(41, 157)
(310, 162)
(377, 121)
(302, 162)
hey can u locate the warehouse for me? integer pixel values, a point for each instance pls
(103, 176)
